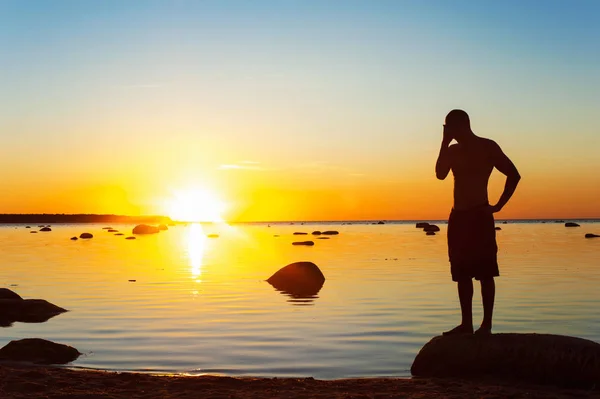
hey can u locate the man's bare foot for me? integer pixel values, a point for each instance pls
(460, 330)
(484, 330)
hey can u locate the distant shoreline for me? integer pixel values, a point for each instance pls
(9, 218)
(79, 218)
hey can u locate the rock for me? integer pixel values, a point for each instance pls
(130, 238)
(431, 227)
(33, 232)
(27, 227)
(212, 235)
(145, 229)
(505, 222)
(86, 236)
(330, 233)
(591, 235)
(27, 311)
(39, 351)
(119, 234)
(381, 222)
(316, 233)
(5, 293)
(322, 238)
(309, 243)
(45, 229)
(107, 228)
(430, 233)
(112, 231)
(571, 224)
(299, 233)
(497, 228)
(421, 225)
(132, 281)
(532, 358)
(74, 238)
(299, 280)
(162, 227)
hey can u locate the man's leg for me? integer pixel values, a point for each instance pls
(488, 293)
(465, 295)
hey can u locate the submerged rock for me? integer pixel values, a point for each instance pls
(145, 229)
(119, 234)
(322, 238)
(130, 238)
(45, 229)
(309, 243)
(86, 236)
(571, 224)
(431, 227)
(107, 228)
(33, 232)
(591, 235)
(112, 231)
(532, 358)
(39, 351)
(421, 225)
(300, 280)
(299, 233)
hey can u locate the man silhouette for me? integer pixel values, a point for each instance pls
(472, 245)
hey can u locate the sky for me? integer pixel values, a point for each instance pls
(294, 110)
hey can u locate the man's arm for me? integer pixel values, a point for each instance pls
(506, 167)
(444, 161)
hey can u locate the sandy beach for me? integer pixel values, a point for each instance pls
(57, 383)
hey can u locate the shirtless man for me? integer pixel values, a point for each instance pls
(471, 230)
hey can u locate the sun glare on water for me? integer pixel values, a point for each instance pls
(196, 205)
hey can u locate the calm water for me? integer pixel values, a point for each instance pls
(201, 305)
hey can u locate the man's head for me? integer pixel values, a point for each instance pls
(458, 124)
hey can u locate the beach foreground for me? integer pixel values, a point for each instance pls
(55, 383)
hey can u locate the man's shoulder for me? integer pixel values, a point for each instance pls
(489, 143)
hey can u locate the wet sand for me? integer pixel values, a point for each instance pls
(56, 383)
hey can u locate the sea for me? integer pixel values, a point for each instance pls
(194, 299)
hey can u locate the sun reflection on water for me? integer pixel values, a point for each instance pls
(196, 245)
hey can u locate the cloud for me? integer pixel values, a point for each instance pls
(246, 165)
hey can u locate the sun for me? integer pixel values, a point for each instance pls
(195, 205)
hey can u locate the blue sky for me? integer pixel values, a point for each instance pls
(357, 83)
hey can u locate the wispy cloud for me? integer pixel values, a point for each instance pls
(244, 165)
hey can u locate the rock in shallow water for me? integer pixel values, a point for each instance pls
(39, 351)
(45, 229)
(571, 224)
(299, 279)
(590, 235)
(431, 227)
(5, 293)
(145, 229)
(13, 308)
(86, 236)
(533, 358)
(307, 243)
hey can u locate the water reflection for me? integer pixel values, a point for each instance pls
(196, 244)
(302, 296)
